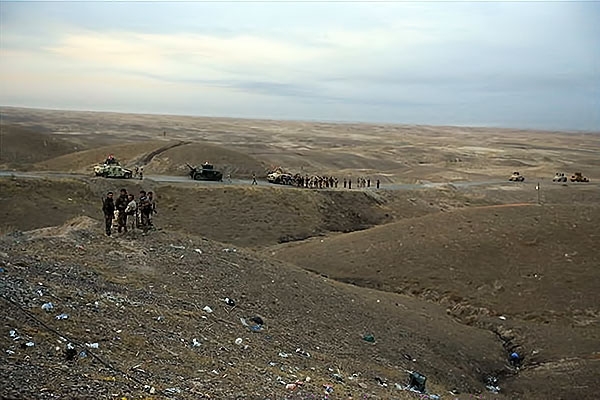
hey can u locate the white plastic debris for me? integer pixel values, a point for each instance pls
(196, 343)
(92, 345)
(207, 309)
(62, 316)
(502, 317)
(238, 341)
(198, 251)
(47, 306)
(29, 344)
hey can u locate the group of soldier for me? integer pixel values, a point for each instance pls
(127, 211)
(326, 182)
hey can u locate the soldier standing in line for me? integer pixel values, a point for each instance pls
(349, 183)
(121, 205)
(368, 182)
(345, 183)
(377, 183)
(254, 179)
(108, 208)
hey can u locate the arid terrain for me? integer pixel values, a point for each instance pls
(445, 270)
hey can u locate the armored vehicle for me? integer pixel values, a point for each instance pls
(280, 177)
(578, 177)
(559, 177)
(516, 177)
(206, 172)
(112, 170)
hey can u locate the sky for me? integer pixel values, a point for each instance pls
(505, 64)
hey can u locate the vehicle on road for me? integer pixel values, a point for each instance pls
(206, 172)
(578, 177)
(280, 177)
(112, 170)
(516, 177)
(559, 177)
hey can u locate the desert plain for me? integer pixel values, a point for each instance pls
(445, 269)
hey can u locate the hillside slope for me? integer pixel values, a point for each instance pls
(143, 299)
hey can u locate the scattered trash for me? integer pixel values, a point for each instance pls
(92, 345)
(381, 381)
(62, 316)
(229, 301)
(173, 390)
(82, 354)
(283, 355)
(198, 251)
(491, 384)
(10, 352)
(291, 386)
(160, 318)
(29, 344)
(178, 248)
(47, 306)
(369, 338)
(256, 327)
(12, 333)
(70, 352)
(239, 341)
(196, 343)
(2, 269)
(328, 389)
(302, 352)
(515, 359)
(417, 381)
(502, 317)
(228, 250)
(207, 309)
(409, 357)
(338, 378)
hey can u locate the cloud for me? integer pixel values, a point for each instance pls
(358, 60)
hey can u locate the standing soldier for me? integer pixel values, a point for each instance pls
(345, 183)
(368, 182)
(377, 183)
(141, 173)
(108, 208)
(349, 183)
(130, 210)
(152, 208)
(254, 179)
(121, 205)
(143, 210)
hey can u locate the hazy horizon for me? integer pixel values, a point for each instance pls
(523, 65)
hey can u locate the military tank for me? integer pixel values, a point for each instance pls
(112, 169)
(206, 172)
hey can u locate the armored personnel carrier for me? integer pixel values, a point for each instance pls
(206, 172)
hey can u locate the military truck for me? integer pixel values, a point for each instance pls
(112, 170)
(578, 177)
(516, 177)
(559, 177)
(206, 172)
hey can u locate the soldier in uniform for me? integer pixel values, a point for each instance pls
(108, 208)
(121, 205)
